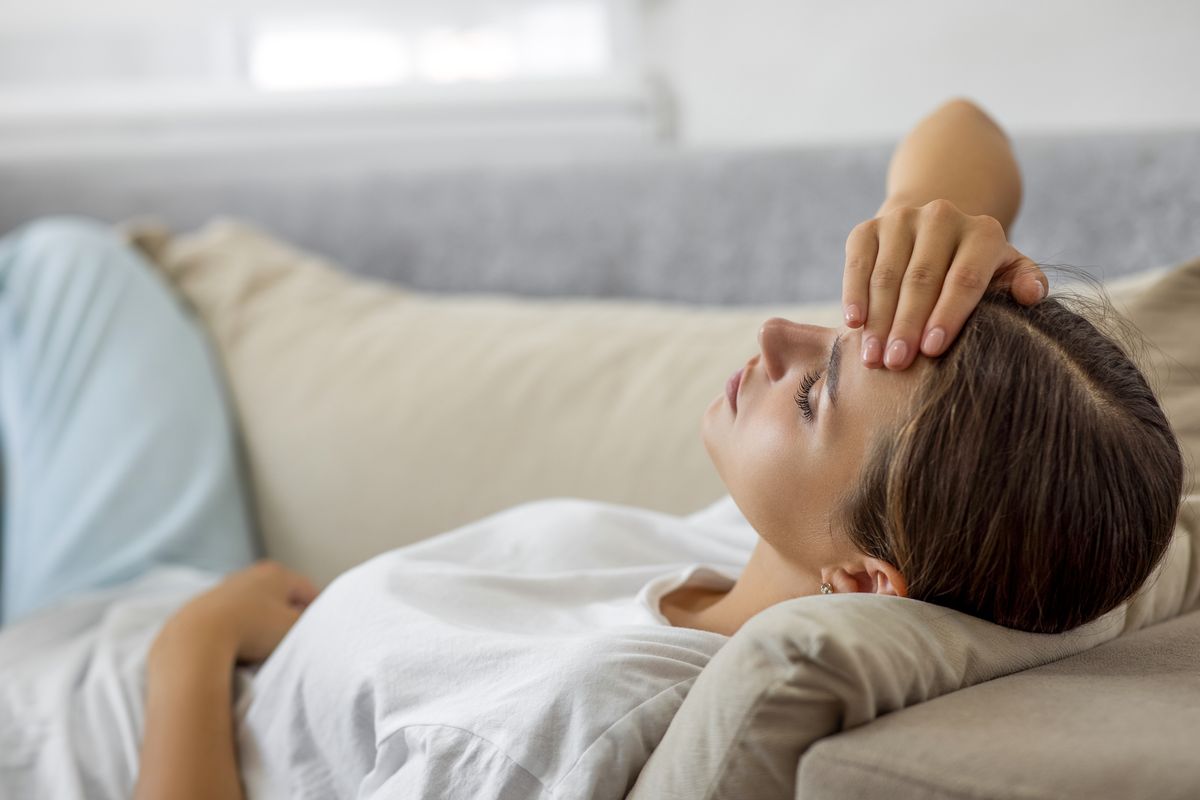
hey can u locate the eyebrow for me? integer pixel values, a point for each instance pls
(835, 369)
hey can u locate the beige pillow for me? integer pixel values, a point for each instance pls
(373, 417)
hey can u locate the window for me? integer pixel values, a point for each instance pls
(526, 41)
(130, 75)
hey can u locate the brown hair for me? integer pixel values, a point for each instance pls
(1036, 482)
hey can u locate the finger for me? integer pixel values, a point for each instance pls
(862, 245)
(895, 251)
(1023, 278)
(297, 588)
(302, 590)
(968, 278)
(919, 292)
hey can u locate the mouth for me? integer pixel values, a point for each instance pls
(732, 386)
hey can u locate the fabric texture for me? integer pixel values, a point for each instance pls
(374, 416)
(119, 447)
(795, 674)
(521, 656)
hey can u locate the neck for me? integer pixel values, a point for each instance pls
(767, 579)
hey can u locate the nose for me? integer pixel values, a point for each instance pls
(784, 343)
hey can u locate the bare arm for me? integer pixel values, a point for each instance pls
(957, 153)
(188, 745)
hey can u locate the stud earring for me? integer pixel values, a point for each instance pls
(826, 588)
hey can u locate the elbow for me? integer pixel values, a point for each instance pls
(961, 104)
(966, 107)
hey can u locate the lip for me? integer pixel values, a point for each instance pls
(733, 387)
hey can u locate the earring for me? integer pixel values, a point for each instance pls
(826, 588)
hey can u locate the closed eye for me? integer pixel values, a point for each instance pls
(802, 394)
(832, 369)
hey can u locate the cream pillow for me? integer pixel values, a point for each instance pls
(373, 416)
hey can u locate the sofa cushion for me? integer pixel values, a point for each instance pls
(1117, 721)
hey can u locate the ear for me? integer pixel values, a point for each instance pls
(880, 577)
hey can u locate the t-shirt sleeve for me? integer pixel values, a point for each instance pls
(448, 763)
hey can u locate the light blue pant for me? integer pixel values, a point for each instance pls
(120, 451)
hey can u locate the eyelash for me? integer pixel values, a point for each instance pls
(806, 384)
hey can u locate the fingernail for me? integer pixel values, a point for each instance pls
(872, 349)
(852, 314)
(895, 354)
(932, 343)
(1041, 291)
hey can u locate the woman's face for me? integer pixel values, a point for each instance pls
(786, 469)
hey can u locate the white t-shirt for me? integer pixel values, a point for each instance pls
(521, 656)
(72, 687)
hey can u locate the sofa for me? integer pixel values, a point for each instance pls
(686, 251)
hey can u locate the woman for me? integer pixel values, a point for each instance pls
(998, 456)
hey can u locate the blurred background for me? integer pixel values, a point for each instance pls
(193, 108)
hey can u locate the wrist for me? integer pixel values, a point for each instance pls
(191, 638)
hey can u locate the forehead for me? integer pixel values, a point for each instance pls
(865, 392)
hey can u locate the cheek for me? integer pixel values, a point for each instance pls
(773, 469)
(712, 429)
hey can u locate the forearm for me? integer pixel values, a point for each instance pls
(960, 154)
(188, 748)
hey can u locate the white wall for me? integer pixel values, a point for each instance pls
(774, 72)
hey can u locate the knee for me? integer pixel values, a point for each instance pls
(64, 233)
(58, 245)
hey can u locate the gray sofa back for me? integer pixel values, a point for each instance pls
(735, 227)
